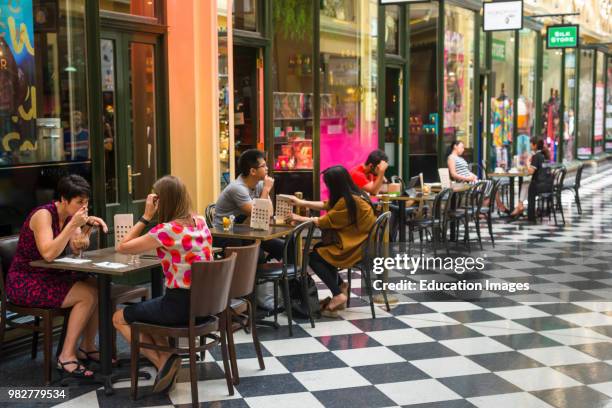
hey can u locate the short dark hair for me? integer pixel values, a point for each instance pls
(375, 157)
(249, 159)
(72, 186)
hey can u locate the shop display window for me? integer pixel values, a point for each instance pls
(43, 82)
(503, 99)
(569, 114)
(608, 122)
(525, 105)
(599, 108)
(392, 13)
(551, 100)
(585, 100)
(244, 15)
(225, 128)
(145, 8)
(458, 76)
(348, 128)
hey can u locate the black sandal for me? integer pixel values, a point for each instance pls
(90, 359)
(167, 374)
(79, 372)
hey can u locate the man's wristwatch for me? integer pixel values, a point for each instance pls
(144, 220)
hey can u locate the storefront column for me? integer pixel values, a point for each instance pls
(192, 72)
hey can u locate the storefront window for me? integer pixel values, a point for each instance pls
(459, 76)
(224, 94)
(585, 110)
(43, 82)
(392, 13)
(244, 16)
(293, 85)
(502, 101)
(348, 40)
(551, 101)
(609, 106)
(569, 114)
(423, 94)
(600, 90)
(144, 8)
(525, 108)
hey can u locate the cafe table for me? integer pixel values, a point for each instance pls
(104, 275)
(239, 231)
(511, 176)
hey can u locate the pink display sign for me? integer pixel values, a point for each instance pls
(349, 149)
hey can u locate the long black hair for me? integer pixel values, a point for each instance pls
(450, 148)
(341, 185)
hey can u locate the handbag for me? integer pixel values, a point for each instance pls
(299, 305)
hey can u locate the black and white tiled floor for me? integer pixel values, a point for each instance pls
(548, 347)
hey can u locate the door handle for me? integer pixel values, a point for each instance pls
(131, 175)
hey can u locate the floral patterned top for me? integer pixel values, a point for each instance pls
(180, 246)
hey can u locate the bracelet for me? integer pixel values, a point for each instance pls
(144, 220)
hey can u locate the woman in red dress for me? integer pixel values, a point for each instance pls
(45, 234)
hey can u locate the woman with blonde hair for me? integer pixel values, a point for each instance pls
(180, 239)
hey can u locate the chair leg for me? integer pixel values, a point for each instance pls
(275, 301)
(231, 347)
(287, 300)
(226, 366)
(193, 373)
(551, 205)
(134, 361)
(577, 199)
(477, 222)
(304, 289)
(384, 293)
(368, 284)
(561, 209)
(48, 347)
(349, 275)
(60, 344)
(253, 326)
(35, 338)
(490, 225)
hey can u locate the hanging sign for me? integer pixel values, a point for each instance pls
(498, 50)
(562, 36)
(503, 15)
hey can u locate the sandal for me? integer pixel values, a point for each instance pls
(79, 372)
(88, 356)
(167, 374)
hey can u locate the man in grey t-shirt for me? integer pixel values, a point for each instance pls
(252, 182)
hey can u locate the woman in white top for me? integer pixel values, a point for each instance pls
(459, 170)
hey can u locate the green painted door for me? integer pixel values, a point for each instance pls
(130, 67)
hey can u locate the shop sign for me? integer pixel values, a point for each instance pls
(498, 50)
(503, 15)
(562, 36)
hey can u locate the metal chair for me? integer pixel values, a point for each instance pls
(209, 214)
(575, 188)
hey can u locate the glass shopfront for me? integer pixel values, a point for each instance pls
(585, 104)
(225, 121)
(551, 99)
(569, 103)
(599, 103)
(459, 43)
(348, 82)
(43, 103)
(525, 103)
(423, 94)
(502, 99)
(608, 125)
(293, 87)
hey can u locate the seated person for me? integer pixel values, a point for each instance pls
(237, 199)
(350, 217)
(370, 176)
(180, 238)
(459, 170)
(45, 234)
(541, 177)
(524, 193)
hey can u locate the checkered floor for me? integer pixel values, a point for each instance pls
(549, 346)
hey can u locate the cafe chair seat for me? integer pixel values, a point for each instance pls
(273, 270)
